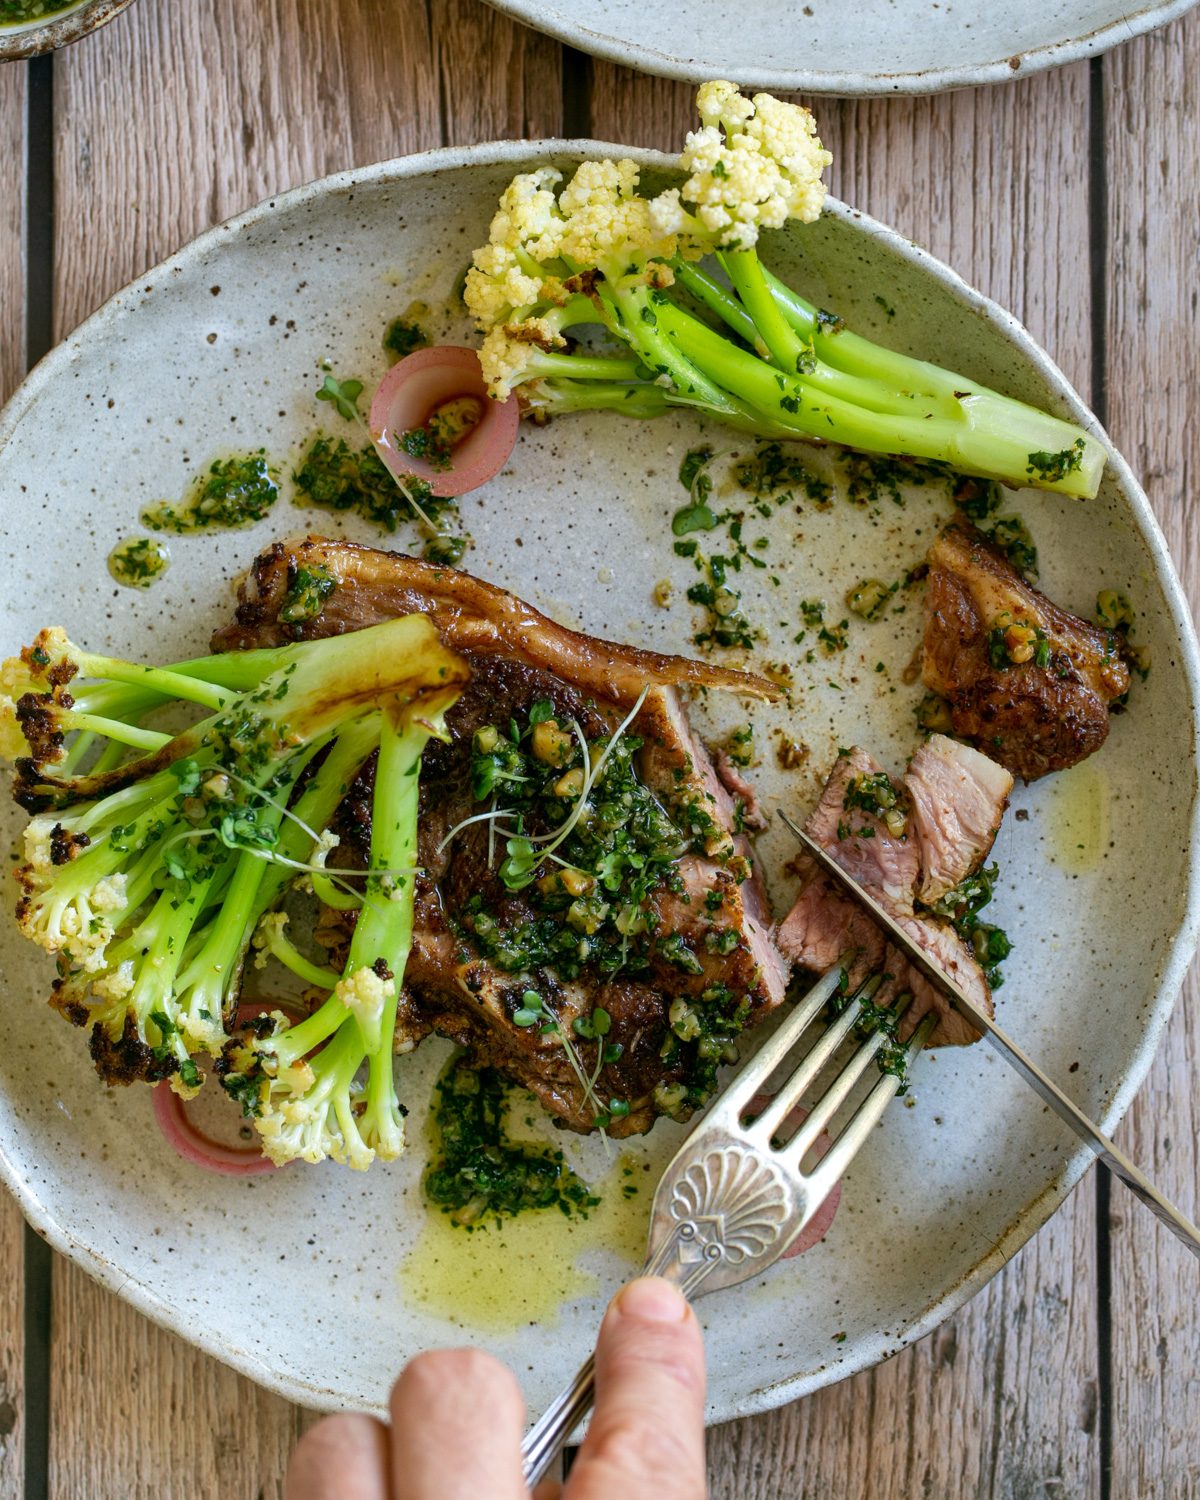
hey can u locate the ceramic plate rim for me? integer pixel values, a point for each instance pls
(1181, 945)
(563, 28)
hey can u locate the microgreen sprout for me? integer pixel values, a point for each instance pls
(535, 1011)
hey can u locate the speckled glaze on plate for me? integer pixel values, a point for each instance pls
(298, 1278)
(32, 38)
(829, 47)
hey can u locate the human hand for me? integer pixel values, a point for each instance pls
(458, 1418)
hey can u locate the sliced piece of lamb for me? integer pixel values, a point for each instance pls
(858, 834)
(472, 616)
(957, 798)
(824, 925)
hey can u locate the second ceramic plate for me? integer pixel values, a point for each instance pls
(830, 47)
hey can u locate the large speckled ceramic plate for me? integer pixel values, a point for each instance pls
(319, 1281)
(829, 47)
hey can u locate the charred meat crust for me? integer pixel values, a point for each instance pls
(472, 616)
(453, 989)
(1032, 718)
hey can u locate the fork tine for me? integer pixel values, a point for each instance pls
(824, 1108)
(758, 1069)
(788, 1095)
(853, 1137)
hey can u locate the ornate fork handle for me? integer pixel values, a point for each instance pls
(722, 1210)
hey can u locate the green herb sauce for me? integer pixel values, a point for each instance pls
(962, 905)
(232, 492)
(477, 1172)
(138, 561)
(334, 476)
(306, 595)
(14, 12)
(403, 336)
(435, 442)
(594, 908)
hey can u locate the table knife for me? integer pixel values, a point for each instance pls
(1112, 1156)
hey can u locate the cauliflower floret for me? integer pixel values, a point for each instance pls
(605, 221)
(364, 994)
(497, 282)
(109, 894)
(78, 925)
(753, 165)
(312, 1127)
(719, 103)
(506, 350)
(38, 869)
(116, 984)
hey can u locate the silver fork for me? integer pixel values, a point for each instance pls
(734, 1197)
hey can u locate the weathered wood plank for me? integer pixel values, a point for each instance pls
(12, 366)
(176, 116)
(496, 80)
(1154, 381)
(138, 1413)
(1002, 1400)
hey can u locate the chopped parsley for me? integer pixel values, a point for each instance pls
(138, 561)
(962, 905)
(306, 594)
(477, 1172)
(334, 476)
(1052, 467)
(402, 337)
(232, 492)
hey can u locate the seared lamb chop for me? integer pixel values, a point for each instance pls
(870, 826)
(674, 956)
(1030, 683)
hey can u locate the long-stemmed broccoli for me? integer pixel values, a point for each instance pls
(300, 1081)
(152, 858)
(740, 345)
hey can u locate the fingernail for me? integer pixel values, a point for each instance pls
(652, 1300)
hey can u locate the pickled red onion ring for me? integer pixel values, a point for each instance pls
(410, 393)
(192, 1144)
(199, 1149)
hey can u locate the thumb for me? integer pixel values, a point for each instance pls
(646, 1437)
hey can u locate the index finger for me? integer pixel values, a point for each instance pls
(646, 1437)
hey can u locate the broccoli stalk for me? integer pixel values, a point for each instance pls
(309, 1102)
(147, 873)
(596, 252)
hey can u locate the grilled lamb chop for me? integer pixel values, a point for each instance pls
(867, 823)
(696, 964)
(957, 798)
(1030, 683)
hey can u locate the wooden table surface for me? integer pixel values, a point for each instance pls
(1071, 197)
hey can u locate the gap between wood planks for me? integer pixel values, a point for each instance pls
(39, 339)
(1098, 275)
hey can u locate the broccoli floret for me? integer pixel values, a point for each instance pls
(151, 859)
(310, 1104)
(596, 252)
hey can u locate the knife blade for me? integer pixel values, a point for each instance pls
(1111, 1155)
